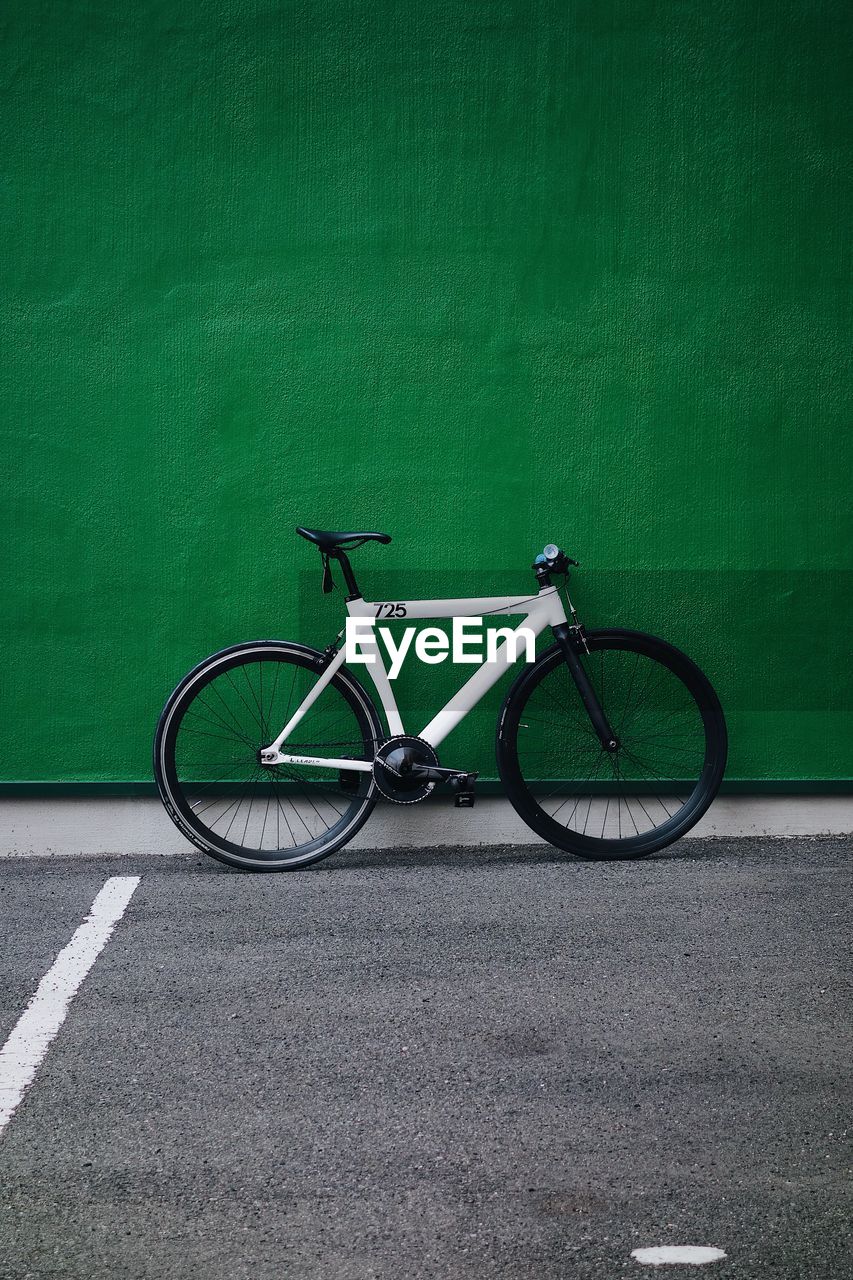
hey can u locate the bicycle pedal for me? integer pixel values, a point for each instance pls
(463, 785)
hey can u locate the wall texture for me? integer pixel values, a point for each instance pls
(483, 274)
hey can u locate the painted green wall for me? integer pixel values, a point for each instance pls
(480, 274)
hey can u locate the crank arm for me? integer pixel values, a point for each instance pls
(436, 773)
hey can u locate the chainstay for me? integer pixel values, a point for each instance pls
(318, 785)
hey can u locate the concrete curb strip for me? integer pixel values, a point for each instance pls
(139, 825)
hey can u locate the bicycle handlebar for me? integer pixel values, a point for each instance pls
(552, 560)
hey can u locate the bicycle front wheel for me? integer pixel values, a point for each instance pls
(207, 762)
(628, 803)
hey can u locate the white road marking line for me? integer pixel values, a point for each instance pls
(30, 1039)
(695, 1255)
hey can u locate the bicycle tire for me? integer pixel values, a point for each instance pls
(528, 794)
(226, 717)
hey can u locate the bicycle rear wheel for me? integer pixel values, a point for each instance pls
(629, 803)
(207, 767)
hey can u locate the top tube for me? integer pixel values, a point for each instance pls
(465, 607)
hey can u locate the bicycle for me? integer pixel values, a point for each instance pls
(611, 744)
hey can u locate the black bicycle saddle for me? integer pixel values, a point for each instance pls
(327, 540)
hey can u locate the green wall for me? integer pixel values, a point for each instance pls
(480, 274)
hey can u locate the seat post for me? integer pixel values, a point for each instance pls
(349, 576)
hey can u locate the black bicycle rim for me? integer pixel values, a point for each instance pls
(209, 771)
(595, 804)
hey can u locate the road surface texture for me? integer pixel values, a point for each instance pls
(499, 1063)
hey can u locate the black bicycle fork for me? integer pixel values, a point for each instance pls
(568, 638)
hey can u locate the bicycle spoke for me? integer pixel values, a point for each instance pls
(268, 720)
(243, 700)
(236, 730)
(255, 697)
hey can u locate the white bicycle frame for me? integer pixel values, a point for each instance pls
(540, 611)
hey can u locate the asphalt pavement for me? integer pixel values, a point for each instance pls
(502, 1063)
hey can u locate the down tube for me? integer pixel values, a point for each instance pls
(479, 684)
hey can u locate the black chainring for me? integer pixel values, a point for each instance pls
(391, 769)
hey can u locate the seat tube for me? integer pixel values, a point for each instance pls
(589, 698)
